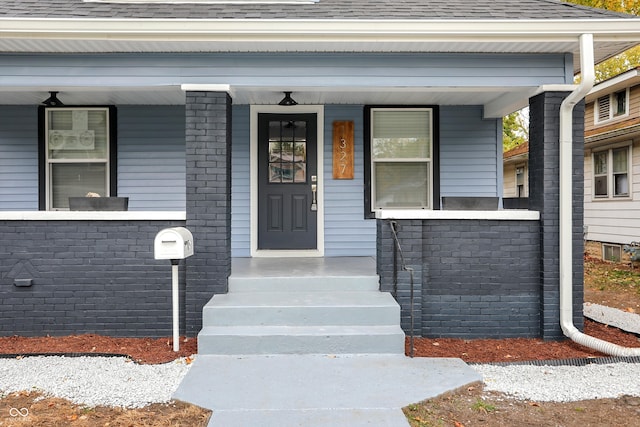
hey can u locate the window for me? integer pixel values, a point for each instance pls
(77, 154)
(611, 173)
(611, 106)
(520, 181)
(611, 252)
(401, 152)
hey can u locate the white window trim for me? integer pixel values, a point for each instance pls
(428, 160)
(609, 149)
(611, 116)
(48, 162)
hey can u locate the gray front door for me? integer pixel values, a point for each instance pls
(287, 181)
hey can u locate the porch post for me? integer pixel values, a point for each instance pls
(208, 200)
(544, 193)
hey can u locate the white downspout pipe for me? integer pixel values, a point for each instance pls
(566, 212)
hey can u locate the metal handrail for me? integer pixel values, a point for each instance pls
(397, 249)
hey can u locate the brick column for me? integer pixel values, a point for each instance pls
(208, 157)
(544, 193)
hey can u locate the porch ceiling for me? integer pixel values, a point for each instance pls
(498, 101)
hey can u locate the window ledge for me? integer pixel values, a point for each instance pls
(93, 216)
(505, 214)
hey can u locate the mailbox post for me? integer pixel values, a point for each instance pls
(174, 244)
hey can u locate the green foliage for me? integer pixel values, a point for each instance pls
(483, 406)
(625, 6)
(515, 130)
(627, 60)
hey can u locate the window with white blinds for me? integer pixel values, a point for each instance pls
(77, 151)
(401, 158)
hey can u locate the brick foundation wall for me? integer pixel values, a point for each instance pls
(474, 278)
(87, 277)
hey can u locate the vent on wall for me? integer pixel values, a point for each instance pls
(604, 107)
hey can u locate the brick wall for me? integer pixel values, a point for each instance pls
(544, 161)
(87, 277)
(474, 278)
(208, 156)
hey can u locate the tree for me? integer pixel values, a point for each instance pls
(625, 6)
(515, 129)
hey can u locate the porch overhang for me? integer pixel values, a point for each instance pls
(497, 101)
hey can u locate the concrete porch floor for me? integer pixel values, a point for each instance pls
(302, 267)
(317, 390)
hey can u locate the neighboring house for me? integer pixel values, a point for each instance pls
(612, 165)
(515, 174)
(177, 106)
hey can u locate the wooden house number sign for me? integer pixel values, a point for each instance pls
(343, 150)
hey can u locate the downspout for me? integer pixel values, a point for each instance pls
(566, 212)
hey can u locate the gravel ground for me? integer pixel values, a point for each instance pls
(562, 383)
(93, 381)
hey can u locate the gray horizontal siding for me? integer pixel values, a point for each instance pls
(18, 158)
(468, 153)
(240, 183)
(285, 69)
(347, 233)
(151, 157)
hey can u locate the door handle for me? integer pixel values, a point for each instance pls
(314, 199)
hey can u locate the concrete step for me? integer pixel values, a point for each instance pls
(301, 309)
(301, 340)
(307, 284)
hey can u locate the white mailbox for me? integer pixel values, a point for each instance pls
(173, 243)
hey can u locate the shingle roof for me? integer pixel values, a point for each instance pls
(323, 9)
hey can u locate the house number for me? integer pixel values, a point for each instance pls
(343, 150)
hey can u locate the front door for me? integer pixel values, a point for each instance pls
(287, 181)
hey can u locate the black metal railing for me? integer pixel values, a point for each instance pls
(397, 251)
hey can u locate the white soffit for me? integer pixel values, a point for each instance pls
(258, 35)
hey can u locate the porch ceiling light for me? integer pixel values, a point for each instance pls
(287, 100)
(53, 100)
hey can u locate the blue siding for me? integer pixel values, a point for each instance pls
(151, 157)
(18, 158)
(285, 69)
(468, 152)
(347, 233)
(240, 183)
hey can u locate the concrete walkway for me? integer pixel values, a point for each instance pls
(317, 390)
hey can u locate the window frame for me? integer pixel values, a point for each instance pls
(434, 162)
(613, 248)
(525, 180)
(610, 174)
(44, 165)
(612, 106)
